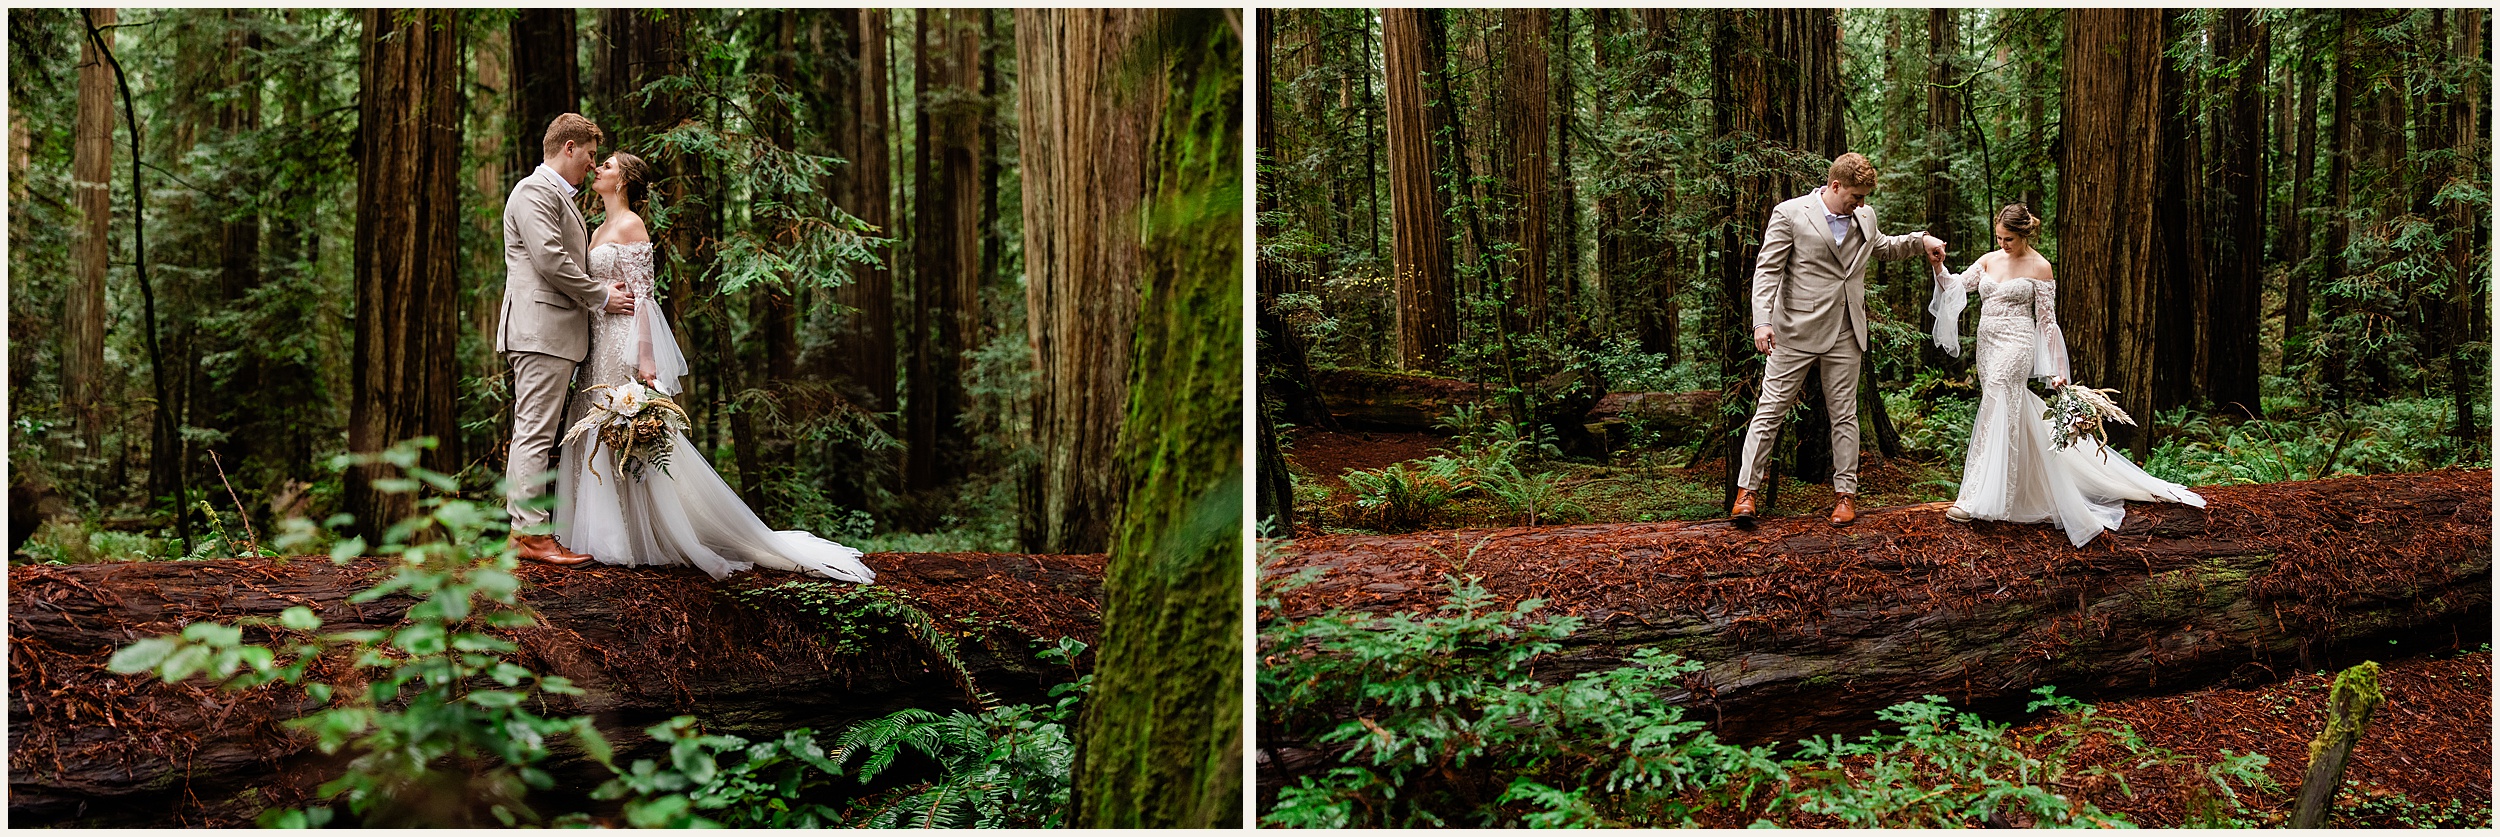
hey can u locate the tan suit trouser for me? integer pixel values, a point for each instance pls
(1781, 379)
(539, 385)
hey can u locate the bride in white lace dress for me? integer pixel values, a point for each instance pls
(684, 513)
(2014, 472)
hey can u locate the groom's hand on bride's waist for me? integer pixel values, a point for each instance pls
(620, 300)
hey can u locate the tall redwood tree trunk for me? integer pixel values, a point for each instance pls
(1946, 215)
(91, 168)
(2113, 146)
(408, 184)
(1085, 139)
(547, 80)
(1420, 248)
(946, 253)
(1524, 163)
(867, 338)
(2235, 269)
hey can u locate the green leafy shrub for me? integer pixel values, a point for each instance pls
(1007, 767)
(1949, 769)
(1403, 495)
(1436, 713)
(432, 746)
(1530, 496)
(2401, 810)
(1935, 426)
(2393, 436)
(1436, 721)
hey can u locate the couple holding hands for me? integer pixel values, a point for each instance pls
(1809, 311)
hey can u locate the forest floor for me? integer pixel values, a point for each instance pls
(2428, 745)
(1634, 486)
(2425, 761)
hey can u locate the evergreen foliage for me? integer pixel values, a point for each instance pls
(249, 156)
(1440, 720)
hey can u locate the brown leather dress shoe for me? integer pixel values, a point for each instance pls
(545, 549)
(1845, 511)
(1744, 508)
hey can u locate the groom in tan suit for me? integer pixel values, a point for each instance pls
(545, 328)
(1809, 311)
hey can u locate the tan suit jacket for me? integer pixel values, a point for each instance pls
(1810, 290)
(547, 290)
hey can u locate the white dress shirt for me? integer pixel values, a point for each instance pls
(1839, 223)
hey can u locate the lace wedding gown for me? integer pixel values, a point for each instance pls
(2013, 471)
(685, 514)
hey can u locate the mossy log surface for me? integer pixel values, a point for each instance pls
(1807, 629)
(93, 748)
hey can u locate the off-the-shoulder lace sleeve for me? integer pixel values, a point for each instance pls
(1945, 307)
(2048, 357)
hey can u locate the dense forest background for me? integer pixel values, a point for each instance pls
(954, 280)
(842, 201)
(2271, 229)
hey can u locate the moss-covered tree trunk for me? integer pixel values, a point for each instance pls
(1161, 736)
(407, 319)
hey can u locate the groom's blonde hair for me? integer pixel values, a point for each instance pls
(1853, 171)
(573, 128)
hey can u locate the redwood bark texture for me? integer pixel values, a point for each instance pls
(1805, 630)
(2108, 177)
(2235, 271)
(1085, 126)
(406, 358)
(855, 85)
(1525, 164)
(91, 167)
(946, 250)
(94, 749)
(547, 79)
(1420, 238)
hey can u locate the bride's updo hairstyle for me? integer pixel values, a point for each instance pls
(2017, 219)
(637, 179)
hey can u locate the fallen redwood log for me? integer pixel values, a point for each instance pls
(1371, 399)
(96, 749)
(1808, 629)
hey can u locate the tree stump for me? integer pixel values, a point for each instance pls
(2348, 707)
